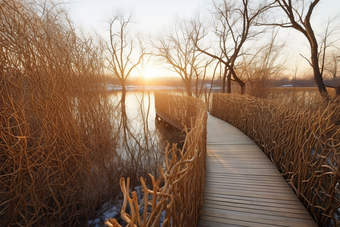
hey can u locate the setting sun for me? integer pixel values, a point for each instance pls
(152, 71)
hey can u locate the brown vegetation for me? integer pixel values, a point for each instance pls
(180, 198)
(303, 144)
(57, 141)
(308, 97)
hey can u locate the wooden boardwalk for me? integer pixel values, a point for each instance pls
(243, 187)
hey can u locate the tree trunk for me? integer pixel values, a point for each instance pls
(316, 70)
(122, 81)
(224, 79)
(229, 82)
(240, 82)
(196, 91)
(188, 88)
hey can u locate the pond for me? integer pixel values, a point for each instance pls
(139, 107)
(141, 140)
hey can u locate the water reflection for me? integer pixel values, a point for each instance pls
(140, 146)
(138, 105)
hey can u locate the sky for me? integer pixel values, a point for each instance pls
(152, 16)
(149, 14)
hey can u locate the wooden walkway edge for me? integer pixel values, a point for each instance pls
(164, 117)
(243, 187)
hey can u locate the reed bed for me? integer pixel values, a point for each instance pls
(176, 198)
(304, 144)
(304, 97)
(57, 137)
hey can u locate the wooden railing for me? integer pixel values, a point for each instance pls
(304, 145)
(186, 109)
(176, 199)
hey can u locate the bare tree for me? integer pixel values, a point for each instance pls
(299, 15)
(332, 64)
(123, 54)
(177, 49)
(201, 74)
(266, 63)
(233, 25)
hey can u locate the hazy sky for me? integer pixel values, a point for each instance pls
(156, 15)
(150, 15)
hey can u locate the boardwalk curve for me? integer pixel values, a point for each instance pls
(243, 187)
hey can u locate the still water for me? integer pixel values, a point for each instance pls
(141, 142)
(140, 108)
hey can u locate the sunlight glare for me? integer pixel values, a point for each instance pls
(152, 71)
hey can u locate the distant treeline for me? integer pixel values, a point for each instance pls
(177, 82)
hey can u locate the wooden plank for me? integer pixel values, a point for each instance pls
(243, 193)
(250, 188)
(243, 187)
(238, 204)
(225, 217)
(244, 171)
(169, 120)
(257, 210)
(249, 177)
(237, 185)
(235, 180)
(224, 167)
(230, 221)
(246, 176)
(264, 216)
(256, 201)
(256, 181)
(204, 223)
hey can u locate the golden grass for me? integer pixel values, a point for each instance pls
(179, 192)
(303, 143)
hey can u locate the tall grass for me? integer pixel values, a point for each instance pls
(303, 97)
(57, 137)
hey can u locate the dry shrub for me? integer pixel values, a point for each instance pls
(308, 97)
(57, 138)
(179, 201)
(303, 144)
(258, 88)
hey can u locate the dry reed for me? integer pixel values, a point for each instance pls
(179, 201)
(303, 144)
(304, 97)
(57, 136)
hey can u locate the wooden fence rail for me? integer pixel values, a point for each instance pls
(176, 199)
(304, 145)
